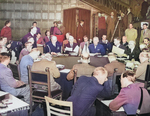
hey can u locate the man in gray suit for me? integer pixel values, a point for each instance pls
(7, 81)
(145, 33)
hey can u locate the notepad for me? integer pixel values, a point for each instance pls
(65, 71)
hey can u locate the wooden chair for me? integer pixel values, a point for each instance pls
(52, 109)
(147, 78)
(41, 79)
(75, 75)
(16, 72)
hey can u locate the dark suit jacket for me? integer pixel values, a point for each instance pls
(134, 54)
(85, 92)
(122, 47)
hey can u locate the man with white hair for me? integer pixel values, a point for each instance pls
(96, 47)
(25, 61)
(133, 51)
(114, 64)
(70, 46)
(141, 69)
(81, 69)
(32, 33)
(53, 46)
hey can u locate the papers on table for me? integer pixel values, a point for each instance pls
(73, 54)
(107, 102)
(65, 70)
(92, 54)
(76, 49)
(68, 49)
(39, 45)
(60, 66)
(118, 51)
(59, 54)
(16, 104)
(3, 93)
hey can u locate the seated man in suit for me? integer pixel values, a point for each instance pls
(106, 44)
(124, 41)
(81, 69)
(71, 44)
(96, 47)
(7, 81)
(133, 51)
(25, 61)
(52, 68)
(84, 46)
(53, 46)
(130, 95)
(87, 89)
(141, 69)
(114, 64)
(118, 44)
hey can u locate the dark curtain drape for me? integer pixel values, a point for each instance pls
(85, 15)
(69, 21)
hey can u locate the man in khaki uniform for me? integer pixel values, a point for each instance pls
(131, 33)
(110, 25)
(145, 33)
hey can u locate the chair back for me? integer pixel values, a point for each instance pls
(75, 75)
(52, 109)
(15, 71)
(41, 78)
(40, 86)
(147, 77)
(19, 75)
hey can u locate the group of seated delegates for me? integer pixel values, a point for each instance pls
(7, 81)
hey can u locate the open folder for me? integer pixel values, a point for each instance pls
(118, 51)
